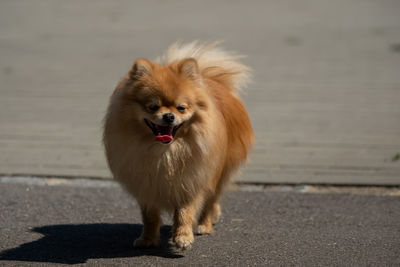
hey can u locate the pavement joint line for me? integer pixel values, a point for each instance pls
(43, 176)
(247, 187)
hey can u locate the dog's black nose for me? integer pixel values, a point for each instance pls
(169, 117)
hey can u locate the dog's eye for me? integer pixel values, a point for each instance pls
(153, 107)
(181, 109)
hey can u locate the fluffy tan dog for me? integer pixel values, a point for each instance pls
(174, 134)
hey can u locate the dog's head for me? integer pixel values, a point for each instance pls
(162, 101)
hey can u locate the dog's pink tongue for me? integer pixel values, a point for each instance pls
(164, 138)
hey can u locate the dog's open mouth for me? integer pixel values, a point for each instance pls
(163, 134)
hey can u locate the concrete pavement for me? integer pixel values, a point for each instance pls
(324, 102)
(49, 222)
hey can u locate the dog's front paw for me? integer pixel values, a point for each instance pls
(145, 243)
(184, 241)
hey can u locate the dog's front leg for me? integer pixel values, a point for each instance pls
(151, 228)
(182, 231)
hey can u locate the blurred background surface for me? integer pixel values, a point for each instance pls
(325, 101)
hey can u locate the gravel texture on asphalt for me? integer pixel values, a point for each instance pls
(56, 223)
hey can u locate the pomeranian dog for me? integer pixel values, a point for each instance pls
(174, 133)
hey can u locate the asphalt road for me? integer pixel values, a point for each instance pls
(324, 102)
(94, 223)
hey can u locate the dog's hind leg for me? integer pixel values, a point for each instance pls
(209, 215)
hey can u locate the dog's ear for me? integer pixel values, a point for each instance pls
(140, 68)
(189, 68)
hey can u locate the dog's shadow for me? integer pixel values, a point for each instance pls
(73, 244)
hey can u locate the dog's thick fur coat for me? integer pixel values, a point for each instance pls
(198, 84)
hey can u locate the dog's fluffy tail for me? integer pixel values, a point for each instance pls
(214, 63)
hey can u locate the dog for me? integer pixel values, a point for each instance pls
(175, 132)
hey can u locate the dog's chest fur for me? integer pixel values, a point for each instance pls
(169, 177)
